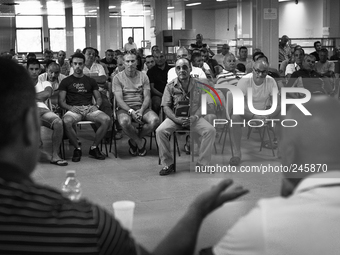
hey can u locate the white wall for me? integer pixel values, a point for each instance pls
(204, 23)
(301, 20)
(222, 24)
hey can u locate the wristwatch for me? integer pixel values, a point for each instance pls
(130, 111)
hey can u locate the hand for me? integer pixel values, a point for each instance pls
(183, 121)
(93, 108)
(193, 119)
(139, 113)
(136, 117)
(214, 198)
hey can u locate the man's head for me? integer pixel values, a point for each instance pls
(260, 71)
(257, 54)
(149, 62)
(130, 62)
(196, 59)
(53, 72)
(31, 55)
(182, 53)
(154, 48)
(48, 54)
(316, 138)
(317, 45)
(199, 38)
(78, 63)
(229, 62)
(183, 69)
(90, 54)
(284, 40)
(33, 68)
(205, 54)
(120, 63)
(159, 58)
(19, 123)
(109, 55)
(323, 55)
(130, 40)
(299, 54)
(308, 62)
(243, 52)
(61, 56)
(225, 49)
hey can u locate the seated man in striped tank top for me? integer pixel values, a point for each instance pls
(229, 75)
(132, 93)
(37, 219)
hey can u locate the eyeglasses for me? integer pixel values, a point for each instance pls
(259, 72)
(184, 67)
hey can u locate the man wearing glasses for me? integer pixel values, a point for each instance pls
(177, 92)
(262, 90)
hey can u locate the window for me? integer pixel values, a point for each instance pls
(57, 39)
(29, 33)
(79, 38)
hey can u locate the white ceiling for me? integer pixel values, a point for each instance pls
(89, 7)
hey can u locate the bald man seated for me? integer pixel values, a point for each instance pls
(305, 219)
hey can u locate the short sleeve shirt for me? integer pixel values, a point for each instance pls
(324, 67)
(79, 91)
(132, 88)
(40, 87)
(174, 93)
(159, 77)
(261, 93)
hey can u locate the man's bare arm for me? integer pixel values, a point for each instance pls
(62, 100)
(44, 95)
(155, 91)
(97, 97)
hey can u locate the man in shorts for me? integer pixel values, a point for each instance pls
(75, 96)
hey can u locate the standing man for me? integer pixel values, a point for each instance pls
(317, 47)
(64, 65)
(284, 49)
(158, 76)
(48, 118)
(109, 61)
(185, 89)
(130, 45)
(75, 96)
(200, 45)
(132, 92)
(220, 56)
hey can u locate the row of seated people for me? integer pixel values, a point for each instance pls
(125, 85)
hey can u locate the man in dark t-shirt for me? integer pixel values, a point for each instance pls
(158, 76)
(110, 62)
(75, 96)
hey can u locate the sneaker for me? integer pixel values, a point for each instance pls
(96, 153)
(76, 155)
(167, 170)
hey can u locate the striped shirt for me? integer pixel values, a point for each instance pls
(229, 78)
(35, 219)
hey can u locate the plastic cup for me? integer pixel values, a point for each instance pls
(123, 212)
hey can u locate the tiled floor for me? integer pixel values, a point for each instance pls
(137, 178)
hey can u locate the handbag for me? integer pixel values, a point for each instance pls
(182, 109)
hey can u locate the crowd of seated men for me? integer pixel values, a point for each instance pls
(145, 92)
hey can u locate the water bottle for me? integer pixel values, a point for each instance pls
(71, 187)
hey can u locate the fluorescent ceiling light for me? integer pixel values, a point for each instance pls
(193, 4)
(112, 7)
(93, 11)
(221, 0)
(171, 7)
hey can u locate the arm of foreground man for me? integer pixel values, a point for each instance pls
(182, 238)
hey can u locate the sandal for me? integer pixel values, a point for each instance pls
(187, 145)
(235, 161)
(268, 145)
(59, 162)
(142, 152)
(133, 150)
